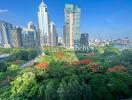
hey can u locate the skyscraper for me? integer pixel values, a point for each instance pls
(72, 26)
(43, 20)
(84, 40)
(53, 35)
(16, 34)
(29, 36)
(5, 34)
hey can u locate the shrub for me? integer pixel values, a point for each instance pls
(13, 67)
(83, 62)
(24, 85)
(17, 62)
(117, 69)
(111, 86)
(42, 65)
(60, 55)
(3, 67)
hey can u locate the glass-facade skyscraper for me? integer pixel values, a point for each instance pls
(29, 36)
(16, 34)
(43, 20)
(84, 40)
(5, 34)
(72, 26)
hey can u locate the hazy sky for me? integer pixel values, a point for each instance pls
(100, 18)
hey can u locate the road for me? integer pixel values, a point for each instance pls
(30, 63)
(4, 56)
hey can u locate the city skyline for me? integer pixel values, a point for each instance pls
(65, 50)
(99, 18)
(30, 36)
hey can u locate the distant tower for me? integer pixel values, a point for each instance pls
(53, 35)
(84, 40)
(43, 20)
(72, 26)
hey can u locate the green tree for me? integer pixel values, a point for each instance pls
(32, 54)
(111, 86)
(3, 66)
(62, 91)
(13, 67)
(126, 56)
(51, 91)
(86, 92)
(25, 86)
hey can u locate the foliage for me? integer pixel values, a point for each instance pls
(5, 93)
(108, 50)
(126, 56)
(96, 68)
(6, 50)
(3, 66)
(99, 50)
(25, 55)
(24, 85)
(69, 75)
(17, 62)
(83, 62)
(117, 69)
(13, 67)
(59, 55)
(47, 52)
(111, 86)
(42, 65)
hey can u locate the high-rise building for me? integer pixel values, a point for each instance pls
(72, 26)
(64, 36)
(60, 41)
(84, 40)
(43, 20)
(29, 36)
(53, 35)
(5, 34)
(16, 34)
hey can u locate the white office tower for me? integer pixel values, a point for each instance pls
(43, 25)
